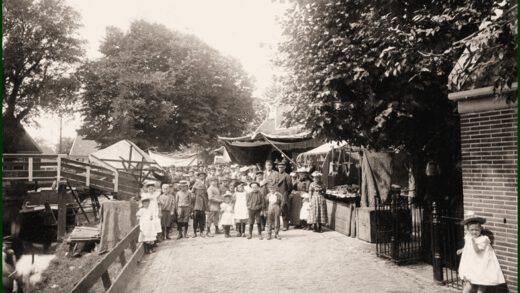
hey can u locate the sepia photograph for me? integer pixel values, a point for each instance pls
(260, 146)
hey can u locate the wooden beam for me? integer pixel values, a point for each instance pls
(62, 210)
(125, 275)
(30, 168)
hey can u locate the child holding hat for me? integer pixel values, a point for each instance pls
(317, 203)
(226, 209)
(479, 265)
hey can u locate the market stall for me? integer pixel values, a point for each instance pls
(340, 165)
(355, 178)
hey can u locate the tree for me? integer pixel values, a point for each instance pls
(163, 89)
(40, 51)
(375, 73)
(66, 145)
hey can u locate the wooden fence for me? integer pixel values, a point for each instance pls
(46, 170)
(101, 268)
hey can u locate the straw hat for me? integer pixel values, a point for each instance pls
(470, 217)
(254, 182)
(148, 183)
(183, 183)
(228, 194)
(293, 174)
(302, 170)
(316, 174)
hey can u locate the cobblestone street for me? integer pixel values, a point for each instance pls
(301, 262)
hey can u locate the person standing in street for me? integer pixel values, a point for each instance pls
(255, 204)
(318, 205)
(269, 174)
(273, 201)
(214, 207)
(284, 183)
(240, 209)
(200, 204)
(183, 208)
(167, 203)
(301, 186)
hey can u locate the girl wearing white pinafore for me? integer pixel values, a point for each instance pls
(240, 211)
(479, 265)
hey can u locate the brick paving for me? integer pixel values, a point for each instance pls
(302, 261)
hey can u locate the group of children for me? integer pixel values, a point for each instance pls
(215, 201)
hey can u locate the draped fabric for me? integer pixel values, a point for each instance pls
(117, 220)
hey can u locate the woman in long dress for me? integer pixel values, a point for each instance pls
(318, 205)
(301, 186)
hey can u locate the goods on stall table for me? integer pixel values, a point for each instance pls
(344, 191)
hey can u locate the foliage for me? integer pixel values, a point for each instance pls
(66, 145)
(163, 89)
(40, 51)
(376, 73)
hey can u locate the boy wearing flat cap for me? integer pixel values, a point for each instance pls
(255, 203)
(199, 204)
(183, 208)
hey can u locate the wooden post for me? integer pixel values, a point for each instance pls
(87, 179)
(436, 235)
(116, 181)
(58, 171)
(30, 169)
(62, 210)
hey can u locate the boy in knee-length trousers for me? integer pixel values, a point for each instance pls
(200, 204)
(273, 202)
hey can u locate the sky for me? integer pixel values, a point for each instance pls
(244, 29)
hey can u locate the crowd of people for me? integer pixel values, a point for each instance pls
(231, 197)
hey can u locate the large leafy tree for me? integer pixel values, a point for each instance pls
(41, 49)
(163, 89)
(375, 73)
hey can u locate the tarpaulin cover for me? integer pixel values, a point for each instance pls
(256, 148)
(117, 220)
(382, 169)
(124, 150)
(178, 160)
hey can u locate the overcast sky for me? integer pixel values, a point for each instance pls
(244, 29)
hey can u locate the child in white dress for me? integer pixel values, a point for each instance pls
(479, 265)
(152, 194)
(304, 212)
(147, 233)
(226, 210)
(240, 210)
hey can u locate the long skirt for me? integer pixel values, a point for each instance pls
(296, 204)
(317, 210)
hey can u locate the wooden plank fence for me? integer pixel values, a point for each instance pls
(47, 170)
(100, 271)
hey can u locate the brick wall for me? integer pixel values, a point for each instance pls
(489, 164)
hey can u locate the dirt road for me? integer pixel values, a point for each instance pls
(302, 261)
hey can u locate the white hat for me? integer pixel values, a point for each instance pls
(244, 169)
(316, 174)
(293, 174)
(147, 183)
(470, 217)
(302, 170)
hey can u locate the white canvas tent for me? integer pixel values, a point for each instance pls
(123, 155)
(165, 160)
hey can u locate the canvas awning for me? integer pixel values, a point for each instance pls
(166, 160)
(255, 148)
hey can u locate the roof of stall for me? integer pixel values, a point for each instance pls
(121, 154)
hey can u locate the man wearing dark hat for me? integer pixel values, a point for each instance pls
(285, 187)
(255, 204)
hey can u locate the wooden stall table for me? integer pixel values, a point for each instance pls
(342, 216)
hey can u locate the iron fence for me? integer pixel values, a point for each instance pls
(398, 229)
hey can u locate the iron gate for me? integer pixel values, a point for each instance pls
(451, 234)
(398, 228)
